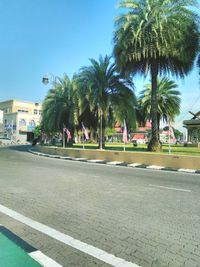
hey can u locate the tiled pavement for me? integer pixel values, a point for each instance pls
(112, 208)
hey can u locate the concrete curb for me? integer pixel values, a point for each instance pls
(116, 163)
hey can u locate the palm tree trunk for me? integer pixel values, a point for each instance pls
(103, 136)
(91, 134)
(158, 118)
(154, 144)
(101, 131)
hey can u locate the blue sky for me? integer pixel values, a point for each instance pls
(59, 36)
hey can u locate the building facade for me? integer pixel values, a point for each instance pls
(1, 122)
(20, 119)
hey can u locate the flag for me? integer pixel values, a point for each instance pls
(124, 137)
(171, 132)
(85, 132)
(65, 130)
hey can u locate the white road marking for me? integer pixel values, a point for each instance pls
(134, 164)
(114, 162)
(68, 240)
(170, 188)
(155, 167)
(187, 170)
(43, 259)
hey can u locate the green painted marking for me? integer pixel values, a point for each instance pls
(13, 256)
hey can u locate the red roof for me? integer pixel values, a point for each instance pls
(138, 136)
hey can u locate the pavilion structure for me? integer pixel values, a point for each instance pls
(193, 128)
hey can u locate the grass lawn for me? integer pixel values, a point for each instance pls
(175, 149)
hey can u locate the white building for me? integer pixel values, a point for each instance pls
(1, 122)
(19, 119)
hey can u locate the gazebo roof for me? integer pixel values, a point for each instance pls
(194, 121)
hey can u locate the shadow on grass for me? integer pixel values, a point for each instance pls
(114, 147)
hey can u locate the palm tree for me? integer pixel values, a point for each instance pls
(106, 93)
(60, 106)
(156, 37)
(87, 115)
(167, 97)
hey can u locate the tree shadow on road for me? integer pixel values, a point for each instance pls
(20, 148)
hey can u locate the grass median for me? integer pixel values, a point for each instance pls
(175, 149)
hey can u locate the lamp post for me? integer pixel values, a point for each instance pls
(49, 77)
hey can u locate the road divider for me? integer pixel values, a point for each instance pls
(100, 160)
(143, 158)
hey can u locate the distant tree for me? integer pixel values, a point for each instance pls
(110, 131)
(167, 97)
(106, 93)
(60, 106)
(177, 133)
(37, 131)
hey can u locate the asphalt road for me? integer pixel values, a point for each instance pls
(147, 217)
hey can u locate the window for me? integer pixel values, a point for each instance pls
(32, 123)
(35, 111)
(22, 122)
(22, 111)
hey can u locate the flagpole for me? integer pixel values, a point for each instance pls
(169, 131)
(101, 141)
(124, 136)
(63, 138)
(169, 144)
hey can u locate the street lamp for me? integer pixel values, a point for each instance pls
(49, 77)
(45, 80)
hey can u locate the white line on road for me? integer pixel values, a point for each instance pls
(68, 240)
(170, 188)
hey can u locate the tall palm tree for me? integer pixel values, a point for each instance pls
(168, 100)
(60, 106)
(156, 37)
(87, 115)
(109, 96)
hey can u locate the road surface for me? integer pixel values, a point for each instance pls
(146, 217)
